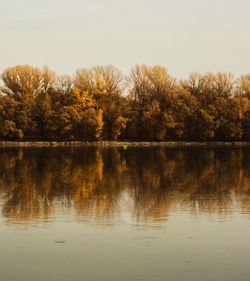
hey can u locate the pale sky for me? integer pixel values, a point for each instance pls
(182, 35)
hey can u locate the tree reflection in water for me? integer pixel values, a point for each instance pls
(95, 183)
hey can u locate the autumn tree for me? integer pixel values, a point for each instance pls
(151, 98)
(105, 85)
(216, 106)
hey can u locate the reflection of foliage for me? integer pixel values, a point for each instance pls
(37, 183)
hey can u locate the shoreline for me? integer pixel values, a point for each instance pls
(122, 144)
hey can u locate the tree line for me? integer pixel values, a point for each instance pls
(99, 103)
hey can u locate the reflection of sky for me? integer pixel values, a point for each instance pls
(183, 35)
(184, 249)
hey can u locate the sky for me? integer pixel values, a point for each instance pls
(183, 35)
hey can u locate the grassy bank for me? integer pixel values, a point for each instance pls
(120, 144)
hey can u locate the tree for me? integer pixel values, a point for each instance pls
(105, 86)
(118, 127)
(151, 97)
(22, 81)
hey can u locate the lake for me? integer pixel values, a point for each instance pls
(113, 214)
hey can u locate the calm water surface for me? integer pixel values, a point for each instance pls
(147, 214)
